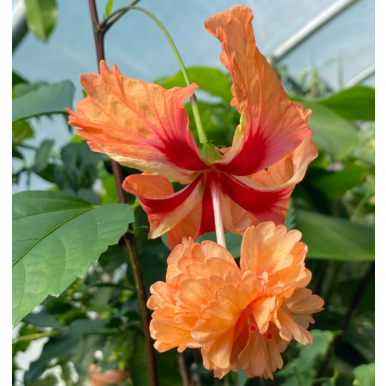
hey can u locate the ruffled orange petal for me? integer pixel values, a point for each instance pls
(266, 249)
(290, 170)
(164, 208)
(271, 125)
(221, 315)
(187, 227)
(138, 124)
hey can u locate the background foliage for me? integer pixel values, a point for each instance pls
(94, 318)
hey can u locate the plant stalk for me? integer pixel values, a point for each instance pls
(38, 335)
(216, 200)
(99, 33)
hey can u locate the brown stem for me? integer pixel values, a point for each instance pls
(183, 370)
(141, 293)
(129, 236)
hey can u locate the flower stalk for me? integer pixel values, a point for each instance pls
(219, 224)
(99, 33)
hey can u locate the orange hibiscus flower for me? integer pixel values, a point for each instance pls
(240, 317)
(144, 126)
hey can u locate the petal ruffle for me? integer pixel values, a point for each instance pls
(164, 208)
(268, 190)
(138, 124)
(290, 170)
(267, 249)
(271, 125)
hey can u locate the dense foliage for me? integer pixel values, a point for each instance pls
(95, 318)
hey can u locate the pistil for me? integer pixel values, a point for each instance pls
(215, 191)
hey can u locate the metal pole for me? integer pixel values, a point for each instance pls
(19, 25)
(309, 29)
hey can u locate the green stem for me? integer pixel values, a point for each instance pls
(193, 100)
(321, 380)
(39, 335)
(297, 375)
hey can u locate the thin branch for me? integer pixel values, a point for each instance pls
(38, 335)
(129, 237)
(183, 370)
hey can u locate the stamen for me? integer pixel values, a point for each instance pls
(215, 191)
(253, 327)
(269, 335)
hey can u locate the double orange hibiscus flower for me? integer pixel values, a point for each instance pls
(240, 317)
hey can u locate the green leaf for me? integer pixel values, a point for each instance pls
(110, 187)
(55, 239)
(138, 363)
(211, 80)
(44, 319)
(62, 345)
(331, 132)
(21, 130)
(42, 155)
(41, 17)
(16, 79)
(21, 89)
(335, 238)
(303, 368)
(335, 184)
(167, 366)
(109, 7)
(16, 153)
(290, 219)
(356, 103)
(364, 375)
(49, 380)
(310, 354)
(47, 100)
(243, 379)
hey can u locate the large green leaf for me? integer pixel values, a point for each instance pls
(41, 17)
(55, 239)
(211, 80)
(331, 132)
(46, 100)
(364, 375)
(335, 238)
(335, 184)
(357, 103)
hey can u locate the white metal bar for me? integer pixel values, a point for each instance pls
(19, 26)
(360, 77)
(309, 29)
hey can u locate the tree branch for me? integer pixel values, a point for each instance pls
(129, 237)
